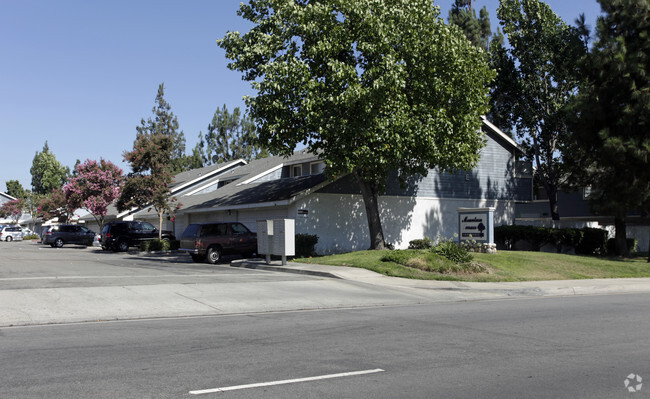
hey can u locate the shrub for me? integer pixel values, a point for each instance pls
(155, 245)
(586, 241)
(452, 251)
(31, 237)
(429, 261)
(425, 243)
(632, 246)
(306, 244)
(593, 242)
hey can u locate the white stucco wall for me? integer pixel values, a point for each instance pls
(341, 225)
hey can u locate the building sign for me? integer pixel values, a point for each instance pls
(476, 224)
(303, 213)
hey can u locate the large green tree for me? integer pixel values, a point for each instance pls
(538, 77)
(164, 122)
(47, 173)
(230, 136)
(371, 86)
(611, 141)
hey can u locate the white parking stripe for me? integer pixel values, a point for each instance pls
(293, 381)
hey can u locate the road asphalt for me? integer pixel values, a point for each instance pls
(323, 287)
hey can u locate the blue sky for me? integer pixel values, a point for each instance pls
(82, 74)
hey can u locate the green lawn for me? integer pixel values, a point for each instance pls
(503, 266)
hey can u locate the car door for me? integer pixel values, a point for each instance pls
(84, 236)
(146, 231)
(243, 241)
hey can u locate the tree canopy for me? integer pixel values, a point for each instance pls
(164, 122)
(230, 136)
(538, 77)
(371, 86)
(16, 190)
(610, 143)
(151, 160)
(94, 187)
(477, 29)
(47, 173)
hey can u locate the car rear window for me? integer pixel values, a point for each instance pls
(190, 231)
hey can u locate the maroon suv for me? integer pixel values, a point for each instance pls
(209, 241)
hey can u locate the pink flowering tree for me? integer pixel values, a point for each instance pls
(94, 187)
(13, 209)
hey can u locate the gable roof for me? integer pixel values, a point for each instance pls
(261, 182)
(7, 196)
(500, 134)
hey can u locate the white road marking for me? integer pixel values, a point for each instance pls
(293, 381)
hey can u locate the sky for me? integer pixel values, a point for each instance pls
(82, 74)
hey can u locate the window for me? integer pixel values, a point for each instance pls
(317, 168)
(238, 228)
(296, 170)
(214, 230)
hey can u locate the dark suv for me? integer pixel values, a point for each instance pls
(119, 236)
(61, 234)
(212, 240)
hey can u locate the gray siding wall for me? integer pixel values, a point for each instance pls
(493, 179)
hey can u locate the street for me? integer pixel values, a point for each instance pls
(165, 327)
(582, 347)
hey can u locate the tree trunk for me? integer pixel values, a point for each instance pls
(552, 201)
(648, 248)
(160, 219)
(620, 237)
(371, 202)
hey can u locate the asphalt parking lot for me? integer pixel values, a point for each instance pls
(29, 265)
(44, 285)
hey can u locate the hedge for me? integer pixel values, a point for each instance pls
(586, 240)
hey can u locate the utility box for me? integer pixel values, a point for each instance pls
(284, 237)
(276, 237)
(264, 236)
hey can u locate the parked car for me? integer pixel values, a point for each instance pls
(11, 233)
(209, 241)
(60, 234)
(119, 236)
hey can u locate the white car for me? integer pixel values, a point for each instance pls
(11, 233)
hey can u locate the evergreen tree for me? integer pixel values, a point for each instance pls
(229, 137)
(610, 145)
(16, 190)
(477, 29)
(47, 173)
(165, 122)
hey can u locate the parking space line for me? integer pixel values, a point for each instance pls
(281, 382)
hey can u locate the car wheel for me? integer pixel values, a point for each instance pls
(198, 258)
(9, 238)
(122, 246)
(214, 255)
(58, 243)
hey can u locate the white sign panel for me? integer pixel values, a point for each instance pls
(474, 226)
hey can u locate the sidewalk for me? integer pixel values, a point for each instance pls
(523, 288)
